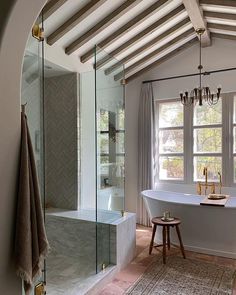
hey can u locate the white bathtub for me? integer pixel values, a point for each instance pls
(204, 229)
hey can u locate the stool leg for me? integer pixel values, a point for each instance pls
(168, 237)
(180, 241)
(152, 240)
(164, 244)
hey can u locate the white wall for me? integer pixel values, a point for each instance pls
(87, 144)
(222, 54)
(13, 42)
(131, 144)
(56, 55)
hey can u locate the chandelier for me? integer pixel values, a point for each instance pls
(200, 94)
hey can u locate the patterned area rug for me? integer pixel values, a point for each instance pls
(184, 277)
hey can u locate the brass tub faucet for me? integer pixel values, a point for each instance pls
(220, 181)
(209, 185)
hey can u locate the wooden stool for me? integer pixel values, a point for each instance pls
(166, 234)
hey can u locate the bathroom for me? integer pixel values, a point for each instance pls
(85, 185)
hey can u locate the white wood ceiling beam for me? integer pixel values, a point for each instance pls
(196, 16)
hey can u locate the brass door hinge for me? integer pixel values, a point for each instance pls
(37, 32)
(40, 289)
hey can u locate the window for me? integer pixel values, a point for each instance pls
(171, 141)
(207, 141)
(191, 138)
(234, 140)
(111, 139)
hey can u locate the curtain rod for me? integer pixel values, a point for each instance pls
(207, 73)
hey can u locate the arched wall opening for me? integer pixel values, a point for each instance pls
(17, 27)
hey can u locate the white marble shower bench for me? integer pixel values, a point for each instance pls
(72, 237)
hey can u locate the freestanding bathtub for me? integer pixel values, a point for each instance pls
(204, 229)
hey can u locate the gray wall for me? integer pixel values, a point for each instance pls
(61, 149)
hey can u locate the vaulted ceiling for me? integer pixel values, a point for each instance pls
(141, 34)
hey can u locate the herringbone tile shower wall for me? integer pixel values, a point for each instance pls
(61, 139)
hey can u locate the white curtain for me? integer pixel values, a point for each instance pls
(146, 141)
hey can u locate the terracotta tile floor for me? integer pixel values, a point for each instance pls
(125, 278)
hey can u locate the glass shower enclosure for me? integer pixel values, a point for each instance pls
(80, 118)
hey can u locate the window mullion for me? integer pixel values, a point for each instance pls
(228, 180)
(188, 143)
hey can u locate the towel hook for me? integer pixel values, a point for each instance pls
(23, 108)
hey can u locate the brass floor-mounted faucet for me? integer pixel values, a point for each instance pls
(211, 185)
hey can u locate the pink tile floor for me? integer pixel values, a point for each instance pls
(125, 278)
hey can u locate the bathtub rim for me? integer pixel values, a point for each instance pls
(227, 206)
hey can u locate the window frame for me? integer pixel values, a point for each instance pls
(118, 131)
(208, 154)
(157, 103)
(227, 126)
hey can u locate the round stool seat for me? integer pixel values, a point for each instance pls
(166, 225)
(159, 221)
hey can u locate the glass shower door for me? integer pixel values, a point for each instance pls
(32, 97)
(110, 152)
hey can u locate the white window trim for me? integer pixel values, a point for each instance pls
(227, 154)
(168, 154)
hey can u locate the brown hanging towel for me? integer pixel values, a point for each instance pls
(31, 244)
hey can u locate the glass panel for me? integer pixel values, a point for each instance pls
(234, 135)
(171, 141)
(171, 114)
(234, 109)
(110, 117)
(208, 140)
(88, 142)
(208, 115)
(120, 142)
(104, 120)
(104, 143)
(68, 224)
(234, 169)
(171, 168)
(32, 94)
(121, 119)
(213, 165)
(104, 159)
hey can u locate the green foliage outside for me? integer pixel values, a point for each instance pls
(206, 140)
